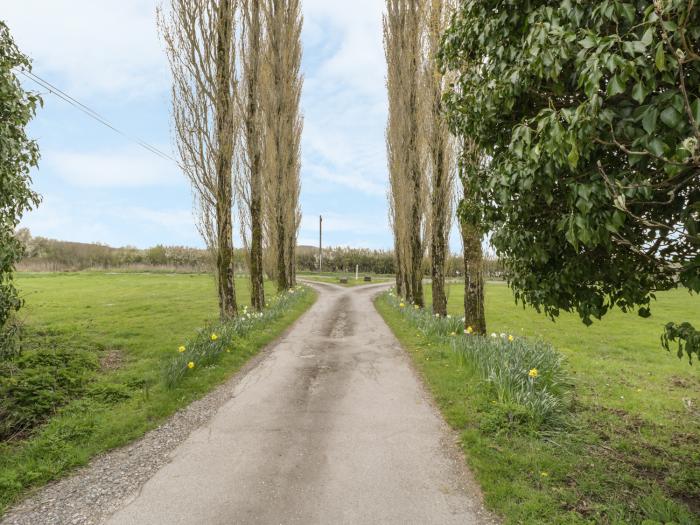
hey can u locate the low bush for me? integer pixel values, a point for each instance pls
(209, 343)
(526, 377)
(35, 385)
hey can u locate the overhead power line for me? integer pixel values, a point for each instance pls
(93, 114)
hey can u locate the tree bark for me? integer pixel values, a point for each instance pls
(224, 164)
(255, 141)
(474, 315)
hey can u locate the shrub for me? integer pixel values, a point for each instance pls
(211, 342)
(35, 385)
(527, 377)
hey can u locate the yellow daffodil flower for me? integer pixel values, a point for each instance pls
(214, 337)
(511, 338)
(469, 330)
(534, 373)
(190, 365)
(181, 349)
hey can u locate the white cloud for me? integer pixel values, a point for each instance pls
(126, 168)
(344, 98)
(105, 47)
(59, 218)
(342, 223)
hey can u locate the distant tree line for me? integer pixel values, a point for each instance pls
(51, 255)
(42, 254)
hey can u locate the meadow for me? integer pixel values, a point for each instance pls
(334, 278)
(102, 341)
(627, 452)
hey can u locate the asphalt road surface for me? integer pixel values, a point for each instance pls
(332, 427)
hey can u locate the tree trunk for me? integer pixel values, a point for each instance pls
(224, 165)
(474, 315)
(438, 238)
(254, 143)
(282, 283)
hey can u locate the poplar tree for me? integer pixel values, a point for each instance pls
(402, 44)
(201, 48)
(253, 151)
(283, 126)
(439, 150)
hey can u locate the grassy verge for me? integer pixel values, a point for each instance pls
(628, 452)
(125, 329)
(334, 278)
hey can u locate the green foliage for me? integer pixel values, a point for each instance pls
(34, 386)
(686, 337)
(526, 377)
(589, 113)
(18, 154)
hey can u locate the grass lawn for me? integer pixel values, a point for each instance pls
(128, 324)
(630, 452)
(334, 278)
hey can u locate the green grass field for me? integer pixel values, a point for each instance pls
(334, 278)
(631, 451)
(129, 323)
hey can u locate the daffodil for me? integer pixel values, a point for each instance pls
(190, 365)
(534, 373)
(214, 337)
(544, 474)
(511, 338)
(181, 349)
(416, 307)
(453, 334)
(494, 334)
(401, 305)
(469, 330)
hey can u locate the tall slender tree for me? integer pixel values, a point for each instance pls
(282, 92)
(402, 44)
(439, 149)
(201, 48)
(253, 152)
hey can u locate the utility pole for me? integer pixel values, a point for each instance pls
(320, 243)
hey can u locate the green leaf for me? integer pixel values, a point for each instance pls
(660, 57)
(616, 86)
(695, 110)
(671, 117)
(587, 43)
(639, 92)
(649, 120)
(573, 157)
(648, 37)
(657, 147)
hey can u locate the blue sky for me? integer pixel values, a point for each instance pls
(97, 186)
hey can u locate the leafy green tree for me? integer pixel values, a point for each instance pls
(18, 154)
(589, 112)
